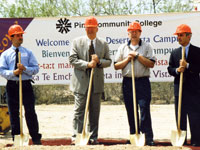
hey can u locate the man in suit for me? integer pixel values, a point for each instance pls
(191, 81)
(88, 52)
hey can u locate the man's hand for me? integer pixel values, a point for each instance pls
(92, 64)
(182, 66)
(183, 63)
(181, 69)
(21, 67)
(17, 71)
(132, 55)
(95, 58)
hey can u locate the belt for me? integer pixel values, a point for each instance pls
(17, 81)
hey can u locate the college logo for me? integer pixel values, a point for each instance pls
(63, 25)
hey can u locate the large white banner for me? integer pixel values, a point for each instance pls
(50, 39)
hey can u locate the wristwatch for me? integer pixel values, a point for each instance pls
(136, 56)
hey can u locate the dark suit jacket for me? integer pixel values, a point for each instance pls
(191, 76)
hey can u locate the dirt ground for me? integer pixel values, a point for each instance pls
(56, 122)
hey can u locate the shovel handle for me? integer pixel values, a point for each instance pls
(20, 97)
(180, 92)
(88, 101)
(134, 97)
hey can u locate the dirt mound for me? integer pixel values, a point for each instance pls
(99, 147)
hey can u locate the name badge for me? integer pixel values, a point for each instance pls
(24, 54)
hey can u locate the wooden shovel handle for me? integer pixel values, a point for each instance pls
(88, 100)
(20, 97)
(180, 92)
(134, 97)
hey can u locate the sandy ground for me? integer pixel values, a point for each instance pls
(56, 122)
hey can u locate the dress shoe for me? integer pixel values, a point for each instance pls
(37, 142)
(150, 143)
(37, 139)
(93, 142)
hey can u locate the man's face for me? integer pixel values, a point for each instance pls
(134, 35)
(17, 39)
(91, 32)
(183, 39)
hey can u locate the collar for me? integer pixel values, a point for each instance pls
(89, 40)
(187, 47)
(14, 48)
(94, 41)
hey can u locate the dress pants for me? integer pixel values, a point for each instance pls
(94, 112)
(191, 108)
(12, 90)
(143, 99)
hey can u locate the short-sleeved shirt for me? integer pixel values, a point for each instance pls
(144, 49)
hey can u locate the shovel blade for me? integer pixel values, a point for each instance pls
(137, 139)
(82, 139)
(178, 138)
(21, 140)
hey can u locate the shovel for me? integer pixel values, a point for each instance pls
(178, 137)
(135, 139)
(82, 139)
(20, 140)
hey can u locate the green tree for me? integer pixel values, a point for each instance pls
(117, 7)
(165, 6)
(32, 8)
(52, 8)
(77, 8)
(95, 7)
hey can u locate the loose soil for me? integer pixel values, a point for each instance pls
(56, 123)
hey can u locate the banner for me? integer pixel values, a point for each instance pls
(50, 40)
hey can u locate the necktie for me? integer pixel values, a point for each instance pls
(16, 59)
(91, 51)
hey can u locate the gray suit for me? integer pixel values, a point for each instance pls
(79, 58)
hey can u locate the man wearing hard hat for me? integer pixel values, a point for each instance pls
(10, 68)
(190, 66)
(88, 52)
(142, 55)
